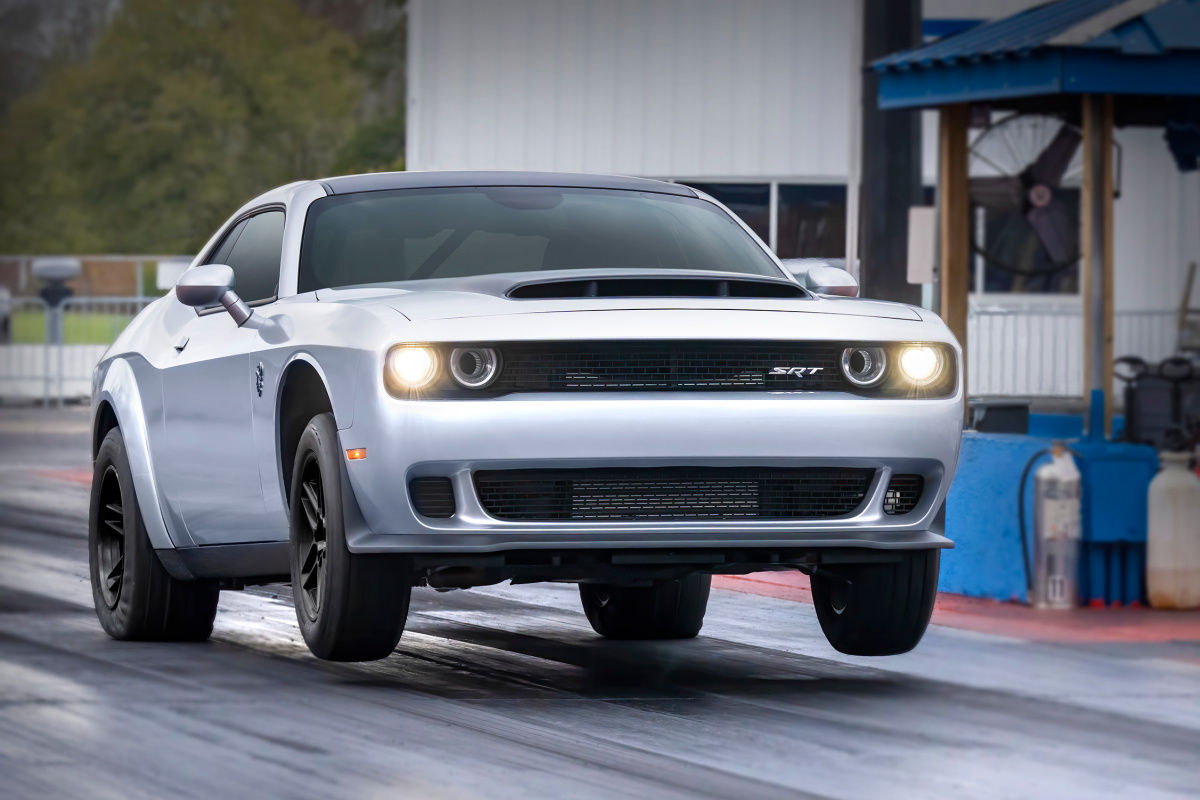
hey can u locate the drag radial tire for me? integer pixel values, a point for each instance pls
(351, 607)
(135, 597)
(665, 610)
(877, 609)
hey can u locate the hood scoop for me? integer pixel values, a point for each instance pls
(655, 286)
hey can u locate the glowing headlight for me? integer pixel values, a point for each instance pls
(411, 367)
(920, 364)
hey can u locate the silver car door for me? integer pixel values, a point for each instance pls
(209, 472)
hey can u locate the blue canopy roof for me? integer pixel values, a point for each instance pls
(1120, 47)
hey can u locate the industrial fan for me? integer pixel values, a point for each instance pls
(1024, 187)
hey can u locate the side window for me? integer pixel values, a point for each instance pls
(255, 255)
(221, 254)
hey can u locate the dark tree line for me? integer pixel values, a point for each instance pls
(178, 111)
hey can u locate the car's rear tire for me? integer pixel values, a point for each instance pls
(135, 597)
(671, 609)
(351, 607)
(878, 608)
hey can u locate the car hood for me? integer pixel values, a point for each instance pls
(488, 296)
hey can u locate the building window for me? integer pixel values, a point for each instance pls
(812, 221)
(750, 201)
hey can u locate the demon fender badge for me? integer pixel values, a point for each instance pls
(258, 378)
(799, 372)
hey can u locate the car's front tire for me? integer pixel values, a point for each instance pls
(135, 597)
(877, 608)
(351, 607)
(671, 609)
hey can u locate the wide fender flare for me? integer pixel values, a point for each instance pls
(119, 387)
(344, 375)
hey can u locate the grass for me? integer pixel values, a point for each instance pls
(90, 327)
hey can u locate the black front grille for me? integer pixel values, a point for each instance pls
(670, 366)
(903, 494)
(677, 493)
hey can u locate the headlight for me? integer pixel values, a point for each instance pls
(920, 364)
(474, 367)
(411, 366)
(863, 366)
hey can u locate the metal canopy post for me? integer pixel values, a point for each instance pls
(1096, 265)
(954, 244)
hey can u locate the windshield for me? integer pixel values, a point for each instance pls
(414, 234)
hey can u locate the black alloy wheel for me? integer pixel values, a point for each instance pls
(110, 538)
(311, 537)
(350, 606)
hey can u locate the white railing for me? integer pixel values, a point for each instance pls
(35, 363)
(1036, 349)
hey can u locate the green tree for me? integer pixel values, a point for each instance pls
(185, 110)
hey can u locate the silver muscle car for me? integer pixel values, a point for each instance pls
(374, 382)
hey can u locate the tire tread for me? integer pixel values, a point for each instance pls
(672, 609)
(888, 605)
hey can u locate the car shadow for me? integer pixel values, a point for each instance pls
(457, 659)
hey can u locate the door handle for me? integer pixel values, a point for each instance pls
(182, 343)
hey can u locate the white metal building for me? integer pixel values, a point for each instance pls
(755, 102)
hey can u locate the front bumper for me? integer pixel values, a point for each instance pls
(406, 439)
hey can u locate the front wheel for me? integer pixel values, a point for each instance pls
(351, 607)
(877, 609)
(135, 597)
(664, 610)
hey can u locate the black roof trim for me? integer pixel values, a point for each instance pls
(382, 181)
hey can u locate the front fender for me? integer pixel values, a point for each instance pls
(117, 384)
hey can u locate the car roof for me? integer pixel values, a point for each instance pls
(380, 181)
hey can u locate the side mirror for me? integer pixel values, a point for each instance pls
(821, 275)
(201, 287)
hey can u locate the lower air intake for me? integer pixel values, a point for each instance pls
(686, 493)
(903, 494)
(432, 497)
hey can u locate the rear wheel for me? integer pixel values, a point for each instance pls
(877, 609)
(351, 607)
(664, 610)
(135, 597)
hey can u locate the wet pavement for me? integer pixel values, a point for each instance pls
(506, 692)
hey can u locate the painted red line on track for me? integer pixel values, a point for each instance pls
(81, 476)
(1006, 619)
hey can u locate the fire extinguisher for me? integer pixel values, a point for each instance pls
(1053, 581)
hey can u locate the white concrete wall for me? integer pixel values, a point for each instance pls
(1157, 223)
(667, 88)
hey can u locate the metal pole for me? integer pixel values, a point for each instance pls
(1096, 207)
(58, 401)
(47, 338)
(854, 167)
(773, 238)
